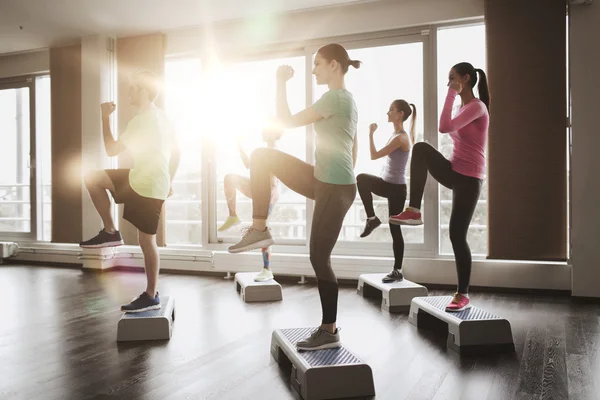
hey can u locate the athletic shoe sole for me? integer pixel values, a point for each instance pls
(412, 222)
(321, 347)
(102, 245)
(156, 307)
(263, 280)
(253, 246)
(363, 235)
(458, 309)
(391, 280)
(222, 229)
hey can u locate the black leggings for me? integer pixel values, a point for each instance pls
(332, 202)
(396, 195)
(465, 194)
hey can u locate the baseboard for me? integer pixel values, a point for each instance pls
(585, 300)
(55, 264)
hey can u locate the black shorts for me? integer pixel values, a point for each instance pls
(142, 212)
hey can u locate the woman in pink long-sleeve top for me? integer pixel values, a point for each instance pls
(463, 173)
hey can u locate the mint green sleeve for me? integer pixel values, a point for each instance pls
(327, 105)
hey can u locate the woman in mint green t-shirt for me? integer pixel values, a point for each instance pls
(330, 182)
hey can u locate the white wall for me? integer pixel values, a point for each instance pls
(585, 86)
(322, 23)
(24, 63)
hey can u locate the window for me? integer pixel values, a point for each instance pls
(215, 107)
(454, 45)
(44, 161)
(25, 173)
(239, 100)
(387, 73)
(220, 104)
(15, 182)
(184, 207)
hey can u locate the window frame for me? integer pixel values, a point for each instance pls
(20, 82)
(425, 34)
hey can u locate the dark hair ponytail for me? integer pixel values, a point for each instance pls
(355, 63)
(413, 123)
(465, 68)
(408, 109)
(338, 53)
(483, 89)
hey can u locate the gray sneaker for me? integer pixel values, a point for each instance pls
(252, 240)
(394, 276)
(320, 339)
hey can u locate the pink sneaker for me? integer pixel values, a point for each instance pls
(458, 303)
(407, 217)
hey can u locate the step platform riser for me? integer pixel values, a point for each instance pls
(395, 297)
(148, 325)
(471, 331)
(251, 291)
(322, 374)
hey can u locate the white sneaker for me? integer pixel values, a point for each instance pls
(265, 275)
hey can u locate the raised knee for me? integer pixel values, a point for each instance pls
(360, 179)
(260, 155)
(419, 147)
(228, 180)
(90, 179)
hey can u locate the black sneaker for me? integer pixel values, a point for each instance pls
(103, 239)
(394, 276)
(370, 226)
(143, 303)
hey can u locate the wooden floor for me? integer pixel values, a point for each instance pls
(58, 341)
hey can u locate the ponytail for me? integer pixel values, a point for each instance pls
(408, 110)
(482, 88)
(412, 124)
(354, 63)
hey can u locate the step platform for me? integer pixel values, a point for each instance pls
(395, 297)
(257, 291)
(321, 374)
(471, 331)
(148, 325)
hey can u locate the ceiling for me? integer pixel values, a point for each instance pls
(34, 24)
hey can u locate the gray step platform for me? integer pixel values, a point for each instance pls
(471, 331)
(395, 297)
(321, 374)
(148, 325)
(257, 291)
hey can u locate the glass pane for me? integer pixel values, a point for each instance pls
(184, 207)
(240, 99)
(381, 79)
(44, 161)
(457, 44)
(14, 158)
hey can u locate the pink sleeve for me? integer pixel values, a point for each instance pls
(470, 113)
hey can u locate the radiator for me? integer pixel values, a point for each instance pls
(8, 249)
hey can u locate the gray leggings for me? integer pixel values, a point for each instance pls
(332, 202)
